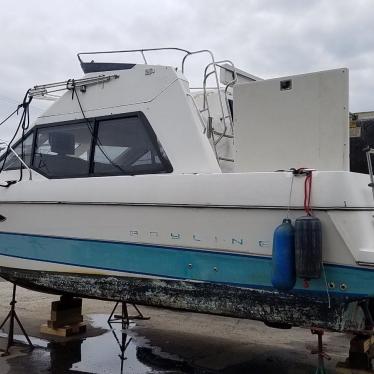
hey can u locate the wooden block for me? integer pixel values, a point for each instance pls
(371, 351)
(361, 344)
(72, 320)
(64, 331)
(67, 303)
(343, 368)
(66, 317)
(359, 360)
(61, 314)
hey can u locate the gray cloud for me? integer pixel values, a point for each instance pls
(39, 39)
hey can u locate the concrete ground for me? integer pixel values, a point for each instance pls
(170, 342)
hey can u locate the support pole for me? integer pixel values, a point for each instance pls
(12, 315)
(320, 352)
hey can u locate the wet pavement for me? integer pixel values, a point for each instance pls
(116, 350)
(112, 352)
(170, 342)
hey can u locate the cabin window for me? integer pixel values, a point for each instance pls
(126, 146)
(12, 162)
(103, 146)
(63, 150)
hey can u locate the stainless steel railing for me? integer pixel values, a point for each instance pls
(210, 70)
(369, 151)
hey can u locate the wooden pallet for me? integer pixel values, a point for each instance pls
(64, 331)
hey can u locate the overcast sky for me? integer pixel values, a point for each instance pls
(268, 38)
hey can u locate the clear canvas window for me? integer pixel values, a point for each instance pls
(63, 150)
(12, 162)
(109, 146)
(126, 146)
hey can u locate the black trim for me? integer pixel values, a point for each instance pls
(33, 148)
(95, 122)
(231, 107)
(96, 67)
(93, 144)
(186, 205)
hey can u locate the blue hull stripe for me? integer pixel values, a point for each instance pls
(179, 263)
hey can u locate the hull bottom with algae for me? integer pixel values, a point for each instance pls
(272, 307)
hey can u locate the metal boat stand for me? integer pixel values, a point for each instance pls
(12, 315)
(319, 351)
(124, 317)
(123, 344)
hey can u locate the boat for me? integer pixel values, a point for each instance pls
(133, 186)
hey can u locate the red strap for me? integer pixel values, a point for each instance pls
(308, 193)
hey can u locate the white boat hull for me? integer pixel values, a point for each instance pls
(140, 235)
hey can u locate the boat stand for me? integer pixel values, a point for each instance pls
(124, 317)
(320, 352)
(123, 344)
(12, 315)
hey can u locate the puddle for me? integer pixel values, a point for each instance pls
(37, 343)
(124, 352)
(115, 351)
(101, 354)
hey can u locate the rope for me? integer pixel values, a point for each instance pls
(98, 142)
(25, 120)
(290, 197)
(307, 187)
(23, 124)
(308, 193)
(10, 115)
(326, 285)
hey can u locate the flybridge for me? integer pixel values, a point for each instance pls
(143, 84)
(213, 107)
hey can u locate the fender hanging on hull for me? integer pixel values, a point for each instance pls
(296, 309)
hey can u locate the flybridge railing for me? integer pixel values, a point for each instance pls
(210, 70)
(143, 52)
(206, 106)
(369, 151)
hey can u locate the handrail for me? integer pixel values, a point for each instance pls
(369, 151)
(235, 78)
(197, 52)
(17, 156)
(141, 51)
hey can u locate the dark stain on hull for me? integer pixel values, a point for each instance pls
(274, 308)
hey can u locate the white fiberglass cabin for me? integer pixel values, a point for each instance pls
(133, 186)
